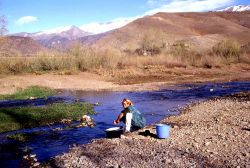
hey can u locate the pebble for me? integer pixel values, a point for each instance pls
(209, 136)
(207, 143)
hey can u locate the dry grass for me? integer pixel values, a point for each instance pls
(224, 53)
(140, 61)
(77, 59)
(81, 58)
(229, 49)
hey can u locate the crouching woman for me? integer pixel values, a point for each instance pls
(132, 118)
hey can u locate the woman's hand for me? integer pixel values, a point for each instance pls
(115, 122)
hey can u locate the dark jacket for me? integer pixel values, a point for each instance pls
(138, 121)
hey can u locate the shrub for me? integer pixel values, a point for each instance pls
(229, 49)
(151, 43)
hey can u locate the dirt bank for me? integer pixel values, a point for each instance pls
(158, 73)
(214, 133)
(131, 79)
(81, 81)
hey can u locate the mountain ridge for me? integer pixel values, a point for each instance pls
(236, 8)
(201, 30)
(56, 37)
(15, 45)
(197, 28)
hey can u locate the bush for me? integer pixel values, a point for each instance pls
(82, 58)
(229, 49)
(151, 43)
(179, 49)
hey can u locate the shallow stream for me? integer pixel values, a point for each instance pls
(45, 142)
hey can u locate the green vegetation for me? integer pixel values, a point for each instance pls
(29, 92)
(21, 136)
(28, 117)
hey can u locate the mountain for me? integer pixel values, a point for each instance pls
(238, 8)
(23, 34)
(69, 32)
(92, 39)
(56, 37)
(15, 45)
(198, 30)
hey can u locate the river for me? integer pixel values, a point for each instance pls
(155, 105)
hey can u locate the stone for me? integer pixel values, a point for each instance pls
(207, 143)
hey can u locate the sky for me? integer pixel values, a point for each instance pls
(94, 16)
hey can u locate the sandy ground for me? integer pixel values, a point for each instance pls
(214, 133)
(83, 81)
(150, 78)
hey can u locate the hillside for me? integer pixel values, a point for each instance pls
(199, 30)
(56, 38)
(14, 46)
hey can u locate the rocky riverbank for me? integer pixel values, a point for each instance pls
(214, 133)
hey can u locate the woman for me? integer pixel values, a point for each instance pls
(130, 116)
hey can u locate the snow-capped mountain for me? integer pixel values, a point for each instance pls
(57, 36)
(70, 32)
(238, 8)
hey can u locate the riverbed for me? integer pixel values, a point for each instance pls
(155, 105)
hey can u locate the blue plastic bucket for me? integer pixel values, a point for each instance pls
(162, 131)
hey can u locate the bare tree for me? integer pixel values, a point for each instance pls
(3, 25)
(3, 31)
(151, 43)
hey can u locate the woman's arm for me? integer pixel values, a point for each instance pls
(118, 118)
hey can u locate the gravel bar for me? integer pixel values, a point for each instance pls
(213, 133)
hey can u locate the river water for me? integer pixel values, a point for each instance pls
(155, 105)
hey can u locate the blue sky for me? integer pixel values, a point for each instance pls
(94, 15)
